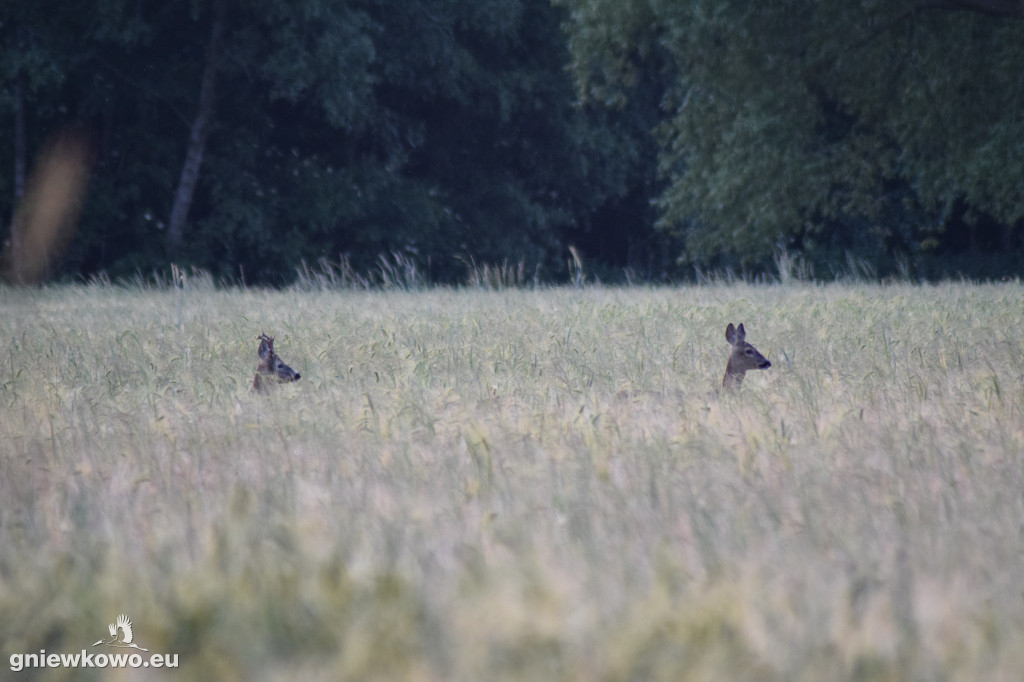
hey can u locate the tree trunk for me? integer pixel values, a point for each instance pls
(20, 143)
(13, 250)
(197, 136)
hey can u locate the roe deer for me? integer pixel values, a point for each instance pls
(743, 357)
(271, 366)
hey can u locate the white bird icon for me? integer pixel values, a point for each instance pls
(125, 625)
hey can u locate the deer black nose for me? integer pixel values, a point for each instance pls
(297, 376)
(766, 365)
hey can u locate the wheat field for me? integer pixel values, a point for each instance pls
(517, 484)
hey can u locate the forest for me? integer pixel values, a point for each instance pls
(648, 140)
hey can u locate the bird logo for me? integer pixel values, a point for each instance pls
(124, 624)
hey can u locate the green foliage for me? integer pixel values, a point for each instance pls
(451, 132)
(805, 125)
(442, 130)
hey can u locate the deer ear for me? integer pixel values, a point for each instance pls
(741, 334)
(264, 350)
(730, 334)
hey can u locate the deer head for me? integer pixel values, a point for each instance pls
(743, 357)
(271, 367)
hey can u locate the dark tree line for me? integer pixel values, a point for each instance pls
(247, 137)
(889, 130)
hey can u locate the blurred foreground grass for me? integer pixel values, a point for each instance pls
(545, 484)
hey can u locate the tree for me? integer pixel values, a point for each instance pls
(245, 137)
(197, 132)
(818, 126)
(34, 61)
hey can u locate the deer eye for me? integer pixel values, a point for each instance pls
(749, 352)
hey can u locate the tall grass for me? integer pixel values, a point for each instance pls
(510, 484)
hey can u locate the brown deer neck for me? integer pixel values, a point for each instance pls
(733, 378)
